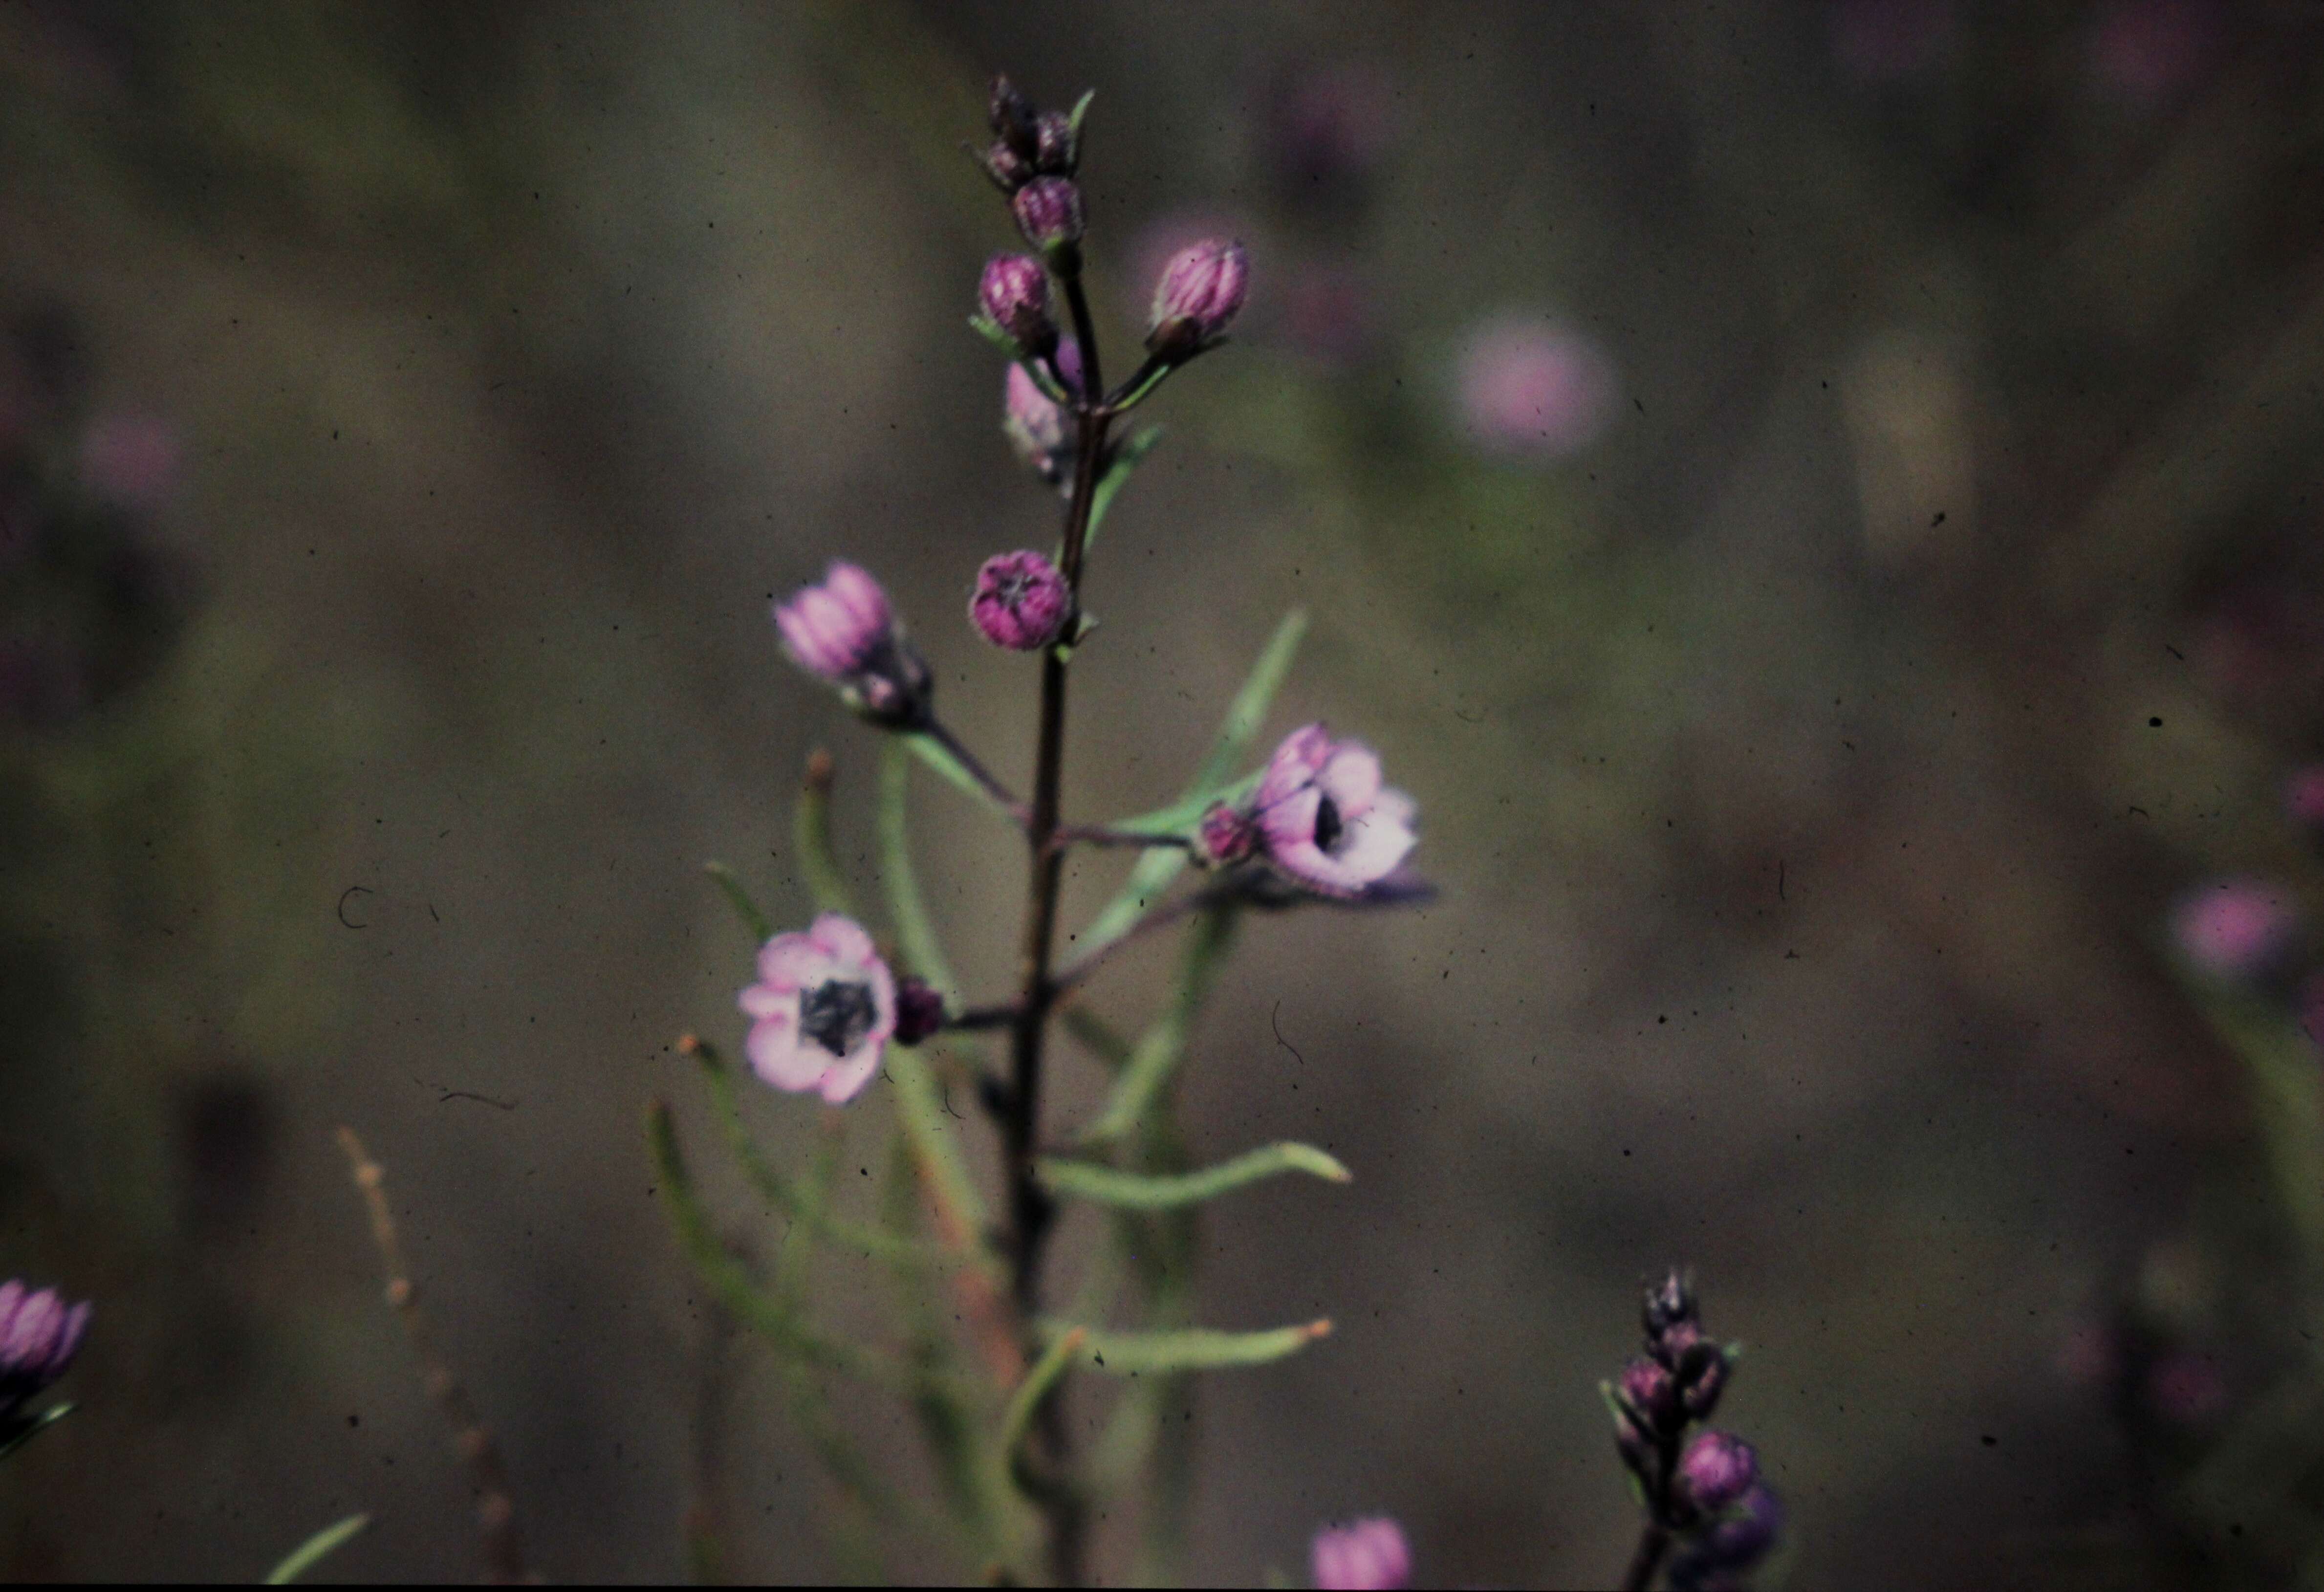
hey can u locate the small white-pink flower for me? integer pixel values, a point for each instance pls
(1325, 818)
(822, 1009)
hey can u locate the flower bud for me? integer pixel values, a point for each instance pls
(1048, 211)
(1720, 1553)
(1011, 116)
(40, 1334)
(919, 1011)
(1056, 151)
(1701, 1377)
(1225, 835)
(1650, 1395)
(1021, 602)
(1014, 294)
(843, 632)
(1200, 291)
(1036, 428)
(1717, 1469)
(1009, 170)
(1668, 1303)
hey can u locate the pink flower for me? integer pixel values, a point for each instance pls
(1533, 387)
(822, 1011)
(1368, 1555)
(842, 632)
(2235, 927)
(1200, 291)
(1035, 424)
(1325, 817)
(1021, 602)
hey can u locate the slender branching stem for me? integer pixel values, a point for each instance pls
(495, 1510)
(1653, 1543)
(1099, 835)
(1030, 1211)
(938, 732)
(1655, 1538)
(1217, 895)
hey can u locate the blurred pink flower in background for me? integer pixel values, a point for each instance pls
(2089, 1355)
(130, 459)
(2233, 928)
(1368, 1555)
(1328, 125)
(1886, 40)
(1530, 385)
(2186, 1388)
(2152, 51)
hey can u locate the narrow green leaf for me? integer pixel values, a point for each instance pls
(920, 1103)
(316, 1549)
(802, 1205)
(760, 927)
(1126, 458)
(914, 928)
(811, 838)
(992, 332)
(939, 757)
(1073, 117)
(33, 1425)
(1106, 1185)
(1192, 1349)
(1038, 1380)
(725, 1275)
(1097, 1037)
(1160, 1048)
(1231, 747)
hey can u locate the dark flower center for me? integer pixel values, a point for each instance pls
(1328, 827)
(836, 1015)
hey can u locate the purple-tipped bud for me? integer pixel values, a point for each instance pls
(1362, 1556)
(1057, 153)
(1650, 1395)
(919, 1011)
(1225, 837)
(1009, 170)
(1021, 602)
(1668, 1303)
(1717, 1469)
(842, 632)
(1014, 294)
(40, 1334)
(1200, 291)
(1011, 116)
(1048, 211)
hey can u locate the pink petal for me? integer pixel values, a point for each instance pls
(794, 961)
(861, 595)
(842, 939)
(1351, 778)
(779, 1058)
(1302, 751)
(846, 1078)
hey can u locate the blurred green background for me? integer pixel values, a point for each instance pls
(1815, 500)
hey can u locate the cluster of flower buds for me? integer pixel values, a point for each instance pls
(1701, 1486)
(40, 1334)
(1032, 159)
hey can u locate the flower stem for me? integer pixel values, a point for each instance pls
(1030, 1210)
(938, 732)
(1653, 1543)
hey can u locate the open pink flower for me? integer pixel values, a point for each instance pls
(1325, 817)
(1368, 1555)
(822, 1009)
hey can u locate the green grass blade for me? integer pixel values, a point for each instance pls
(316, 1549)
(818, 862)
(1228, 750)
(1162, 1046)
(34, 1427)
(919, 1104)
(1094, 1034)
(915, 929)
(1192, 1349)
(761, 930)
(1129, 1190)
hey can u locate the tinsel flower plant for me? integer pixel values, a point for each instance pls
(979, 1353)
